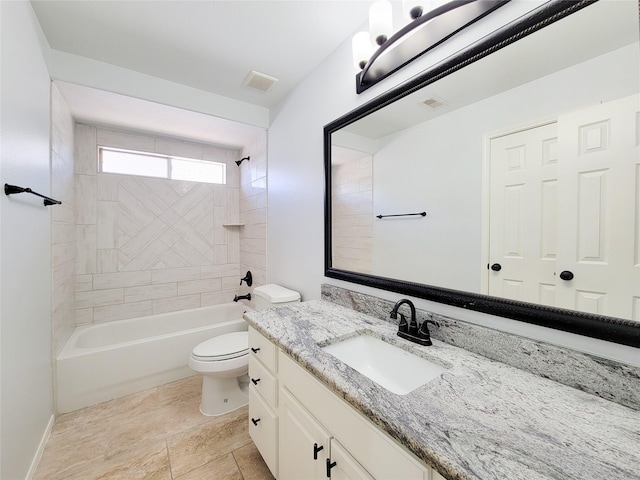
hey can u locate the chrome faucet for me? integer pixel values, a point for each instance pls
(410, 331)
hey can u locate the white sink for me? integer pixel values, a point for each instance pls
(389, 366)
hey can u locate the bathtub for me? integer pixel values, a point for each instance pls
(108, 360)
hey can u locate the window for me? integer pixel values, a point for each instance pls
(144, 164)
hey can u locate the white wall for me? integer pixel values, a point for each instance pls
(25, 253)
(295, 234)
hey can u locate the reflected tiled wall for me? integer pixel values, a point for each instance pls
(148, 245)
(63, 224)
(352, 215)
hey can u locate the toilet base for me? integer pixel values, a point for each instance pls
(223, 395)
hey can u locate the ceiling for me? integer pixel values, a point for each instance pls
(211, 45)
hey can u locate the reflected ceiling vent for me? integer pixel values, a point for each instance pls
(259, 81)
(434, 102)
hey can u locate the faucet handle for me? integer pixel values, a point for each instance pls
(424, 329)
(403, 325)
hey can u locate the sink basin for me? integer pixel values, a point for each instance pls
(389, 366)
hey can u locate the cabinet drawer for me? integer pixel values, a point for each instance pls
(263, 381)
(263, 349)
(263, 429)
(382, 456)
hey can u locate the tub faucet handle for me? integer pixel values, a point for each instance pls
(247, 278)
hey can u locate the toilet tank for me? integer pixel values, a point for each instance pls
(273, 295)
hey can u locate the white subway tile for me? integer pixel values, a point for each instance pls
(217, 298)
(86, 199)
(122, 311)
(128, 141)
(150, 292)
(223, 270)
(108, 185)
(85, 150)
(84, 316)
(97, 298)
(179, 149)
(84, 283)
(169, 275)
(176, 303)
(86, 249)
(199, 286)
(107, 218)
(107, 260)
(121, 280)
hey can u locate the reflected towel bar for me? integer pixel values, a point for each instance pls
(11, 189)
(422, 214)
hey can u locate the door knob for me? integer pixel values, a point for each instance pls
(496, 267)
(566, 275)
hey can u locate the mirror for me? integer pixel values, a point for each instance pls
(529, 214)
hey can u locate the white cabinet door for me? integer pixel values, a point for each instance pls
(263, 429)
(600, 177)
(342, 466)
(523, 221)
(304, 444)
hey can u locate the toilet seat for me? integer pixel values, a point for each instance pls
(223, 347)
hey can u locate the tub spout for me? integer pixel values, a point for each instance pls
(242, 297)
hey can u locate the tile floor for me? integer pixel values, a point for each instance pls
(158, 434)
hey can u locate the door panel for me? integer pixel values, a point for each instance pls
(599, 174)
(523, 215)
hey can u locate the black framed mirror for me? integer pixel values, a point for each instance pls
(416, 255)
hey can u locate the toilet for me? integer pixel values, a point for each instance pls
(224, 360)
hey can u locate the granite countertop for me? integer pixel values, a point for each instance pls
(481, 419)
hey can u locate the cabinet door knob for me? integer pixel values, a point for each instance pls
(255, 381)
(330, 465)
(316, 449)
(255, 421)
(255, 350)
(496, 267)
(566, 275)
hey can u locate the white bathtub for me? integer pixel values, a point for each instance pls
(108, 360)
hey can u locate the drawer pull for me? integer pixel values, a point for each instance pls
(255, 350)
(316, 449)
(330, 465)
(255, 421)
(255, 381)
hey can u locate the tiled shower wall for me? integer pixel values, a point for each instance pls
(63, 223)
(148, 245)
(253, 211)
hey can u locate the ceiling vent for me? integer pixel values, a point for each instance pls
(259, 81)
(434, 102)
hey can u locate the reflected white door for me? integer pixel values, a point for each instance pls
(560, 195)
(599, 176)
(524, 170)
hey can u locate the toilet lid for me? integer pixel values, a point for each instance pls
(224, 347)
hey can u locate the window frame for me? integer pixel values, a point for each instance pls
(169, 163)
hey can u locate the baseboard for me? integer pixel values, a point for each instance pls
(40, 451)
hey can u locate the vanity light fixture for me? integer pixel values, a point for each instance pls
(380, 52)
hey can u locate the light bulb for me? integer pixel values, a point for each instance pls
(380, 21)
(361, 48)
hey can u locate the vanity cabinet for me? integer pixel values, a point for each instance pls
(263, 398)
(317, 432)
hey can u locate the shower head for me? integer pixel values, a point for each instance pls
(238, 162)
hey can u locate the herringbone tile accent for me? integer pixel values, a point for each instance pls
(164, 224)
